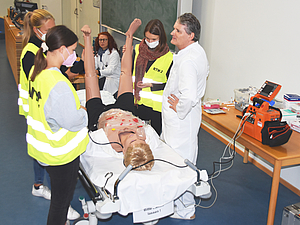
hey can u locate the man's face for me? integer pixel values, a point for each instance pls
(180, 38)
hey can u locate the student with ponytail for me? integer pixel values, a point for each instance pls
(36, 25)
(57, 133)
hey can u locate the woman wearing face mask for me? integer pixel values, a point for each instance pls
(57, 133)
(152, 64)
(107, 62)
(36, 25)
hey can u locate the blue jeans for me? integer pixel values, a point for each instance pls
(39, 172)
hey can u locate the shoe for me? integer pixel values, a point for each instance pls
(72, 214)
(153, 222)
(176, 216)
(68, 222)
(43, 191)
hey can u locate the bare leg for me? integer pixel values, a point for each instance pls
(125, 84)
(91, 80)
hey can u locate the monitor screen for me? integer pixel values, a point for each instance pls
(267, 89)
(23, 6)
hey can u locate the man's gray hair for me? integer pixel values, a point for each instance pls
(192, 24)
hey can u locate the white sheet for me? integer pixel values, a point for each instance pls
(139, 189)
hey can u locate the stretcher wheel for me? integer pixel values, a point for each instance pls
(81, 221)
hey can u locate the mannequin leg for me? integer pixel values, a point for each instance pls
(125, 84)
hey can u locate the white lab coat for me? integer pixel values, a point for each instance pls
(187, 81)
(110, 67)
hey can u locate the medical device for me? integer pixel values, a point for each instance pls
(18, 12)
(261, 111)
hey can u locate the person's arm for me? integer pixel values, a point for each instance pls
(61, 110)
(28, 62)
(112, 65)
(91, 80)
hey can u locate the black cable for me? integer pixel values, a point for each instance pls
(108, 143)
(162, 160)
(234, 152)
(139, 165)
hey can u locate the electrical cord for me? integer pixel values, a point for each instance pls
(108, 143)
(229, 159)
(231, 154)
(162, 160)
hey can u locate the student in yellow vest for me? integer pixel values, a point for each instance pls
(36, 25)
(152, 63)
(57, 132)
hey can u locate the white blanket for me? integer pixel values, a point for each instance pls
(139, 189)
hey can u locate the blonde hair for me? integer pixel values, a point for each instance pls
(37, 18)
(138, 155)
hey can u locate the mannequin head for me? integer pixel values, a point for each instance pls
(138, 154)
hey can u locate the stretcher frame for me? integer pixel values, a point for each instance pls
(107, 203)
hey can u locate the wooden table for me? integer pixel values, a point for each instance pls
(285, 155)
(79, 79)
(13, 41)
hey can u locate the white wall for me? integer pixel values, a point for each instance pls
(5, 4)
(248, 42)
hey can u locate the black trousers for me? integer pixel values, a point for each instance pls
(63, 182)
(148, 114)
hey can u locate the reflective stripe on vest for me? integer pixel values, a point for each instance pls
(39, 126)
(23, 85)
(52, 148)
(155, 75)
(56, 151)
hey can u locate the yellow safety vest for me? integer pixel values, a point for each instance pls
(23, 85)
(156, 75)
(52, 148)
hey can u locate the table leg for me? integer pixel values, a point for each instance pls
(274, 192)
(246, 153)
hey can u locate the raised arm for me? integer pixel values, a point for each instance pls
(91, 80)
(125, 84)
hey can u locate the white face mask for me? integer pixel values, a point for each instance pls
(152, 44)
(43, 37)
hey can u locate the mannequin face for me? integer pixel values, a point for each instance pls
(130, 139)
(103, 41)
(44, 28)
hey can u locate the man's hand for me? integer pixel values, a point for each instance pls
(173, 100)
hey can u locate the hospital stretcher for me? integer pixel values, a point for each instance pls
(148, 195)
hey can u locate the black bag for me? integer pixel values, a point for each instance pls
(275, 133)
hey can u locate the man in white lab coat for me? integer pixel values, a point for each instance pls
(181, 108)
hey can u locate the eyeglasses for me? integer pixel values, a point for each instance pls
(102, 40)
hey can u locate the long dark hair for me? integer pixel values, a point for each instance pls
(111, 42)
(55, 38)
(157, 28)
